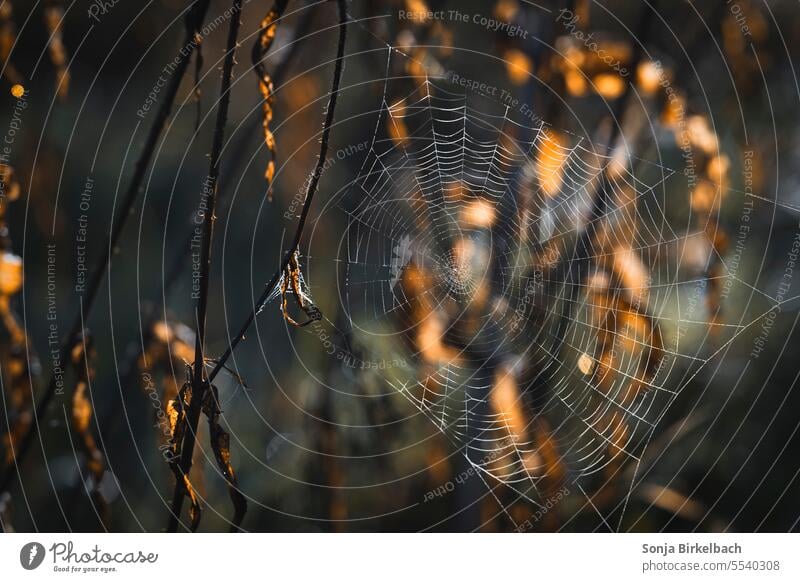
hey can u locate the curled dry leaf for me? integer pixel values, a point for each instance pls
(176, 414)
(292, 281)
(221, 445)
(267, 32)
(195, 510)
(178, 422)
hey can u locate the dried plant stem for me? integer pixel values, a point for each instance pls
(200, 384)
(194, 22)
(311, 190)
(175, 269)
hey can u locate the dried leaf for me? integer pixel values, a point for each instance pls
(519, 66)
(221, 445)
(292, 280)
(195, 510)
(266, 37)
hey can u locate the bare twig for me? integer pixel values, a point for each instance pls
(129, 370)
(200, 383)
(311, 190)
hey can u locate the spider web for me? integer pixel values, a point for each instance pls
(468, 258)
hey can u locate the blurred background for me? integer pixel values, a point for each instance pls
(683, 111)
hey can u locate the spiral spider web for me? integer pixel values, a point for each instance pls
(467, 256)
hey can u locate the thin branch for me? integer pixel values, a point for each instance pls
(230, 164)
(311, 190)
(193, 22)
(200, 383)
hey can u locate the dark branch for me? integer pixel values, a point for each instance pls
(193, 22)
(310, 191)
(199, 382)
